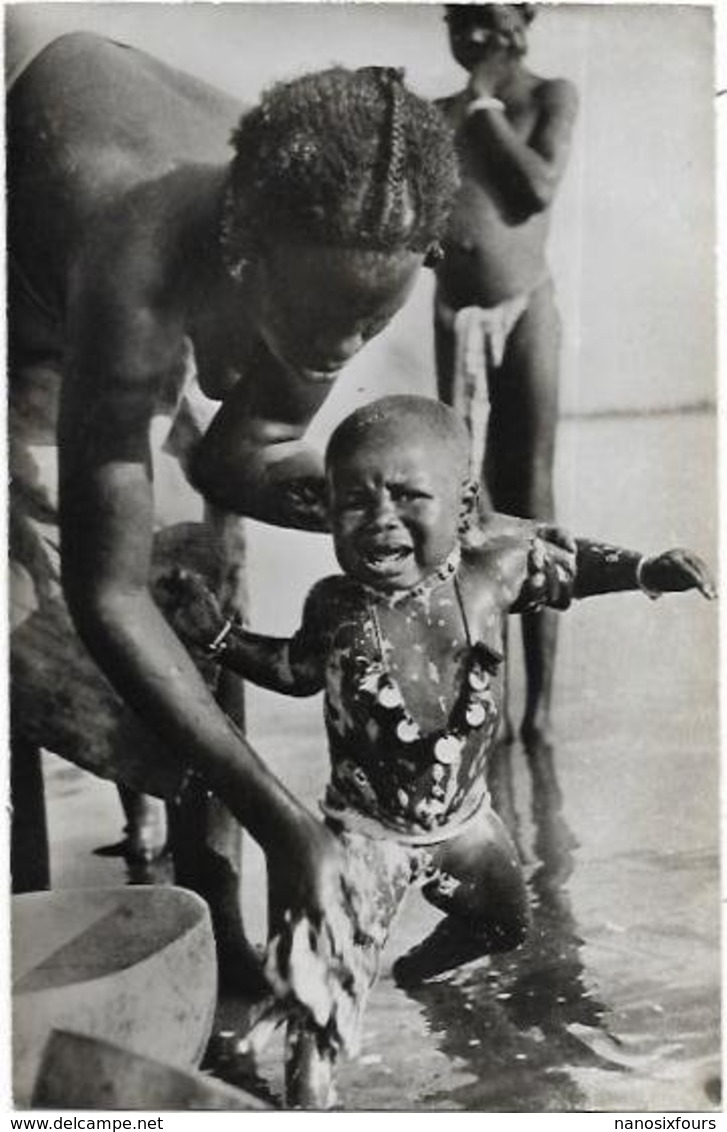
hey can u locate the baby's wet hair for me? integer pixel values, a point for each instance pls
(346, 158)
(423, 416)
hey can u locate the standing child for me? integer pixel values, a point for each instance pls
(407, 645)
(497, 327)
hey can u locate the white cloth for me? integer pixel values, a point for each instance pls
(480, 338)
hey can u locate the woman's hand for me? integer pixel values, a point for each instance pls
(551, 570)
(306, 501)
(548, 564)
(190, 607)
(306, 878)
(675, 571)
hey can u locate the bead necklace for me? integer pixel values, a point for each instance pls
(443, 573)
(473, 707)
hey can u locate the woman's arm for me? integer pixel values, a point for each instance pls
(107, 524)
(253, 460)
(527, 171)
(550, 560)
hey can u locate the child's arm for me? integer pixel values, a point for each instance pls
(527, 171)
(602, 569)
(528, 580)
(292, 666)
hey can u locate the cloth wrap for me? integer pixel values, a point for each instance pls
(321, 975)
(480, 339)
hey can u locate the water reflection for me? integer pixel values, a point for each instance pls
(510, 1018)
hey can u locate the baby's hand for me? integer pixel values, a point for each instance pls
(675, 571)
(192, 610)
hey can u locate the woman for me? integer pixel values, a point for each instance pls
(139, 257)
(151, 277)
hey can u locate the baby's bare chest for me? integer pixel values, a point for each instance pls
(423, 646)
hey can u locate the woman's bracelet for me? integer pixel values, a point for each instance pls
(652, 594)
(219, 644)
(484, 102)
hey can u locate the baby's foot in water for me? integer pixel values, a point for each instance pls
(449, 946)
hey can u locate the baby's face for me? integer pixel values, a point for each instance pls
(396, 502)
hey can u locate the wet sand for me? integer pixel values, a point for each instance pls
(613, 1003)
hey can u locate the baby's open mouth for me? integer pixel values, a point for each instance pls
(386, 557)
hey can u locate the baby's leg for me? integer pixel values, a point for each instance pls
(480, 885)
(480, 882)
(377, 876)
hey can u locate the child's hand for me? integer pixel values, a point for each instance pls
(675, 571)
(189, 606)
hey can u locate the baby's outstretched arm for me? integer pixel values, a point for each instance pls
(528, 579)
(602, 569)
(292, 666)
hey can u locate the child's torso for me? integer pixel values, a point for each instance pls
(412, 695)
(494, 250)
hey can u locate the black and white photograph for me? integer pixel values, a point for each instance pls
(362, 519)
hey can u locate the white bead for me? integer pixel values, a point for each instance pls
(389, 696)
(475, 715)
(447, 749)
(407, 731)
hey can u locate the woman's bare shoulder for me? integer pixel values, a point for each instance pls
(118, 102)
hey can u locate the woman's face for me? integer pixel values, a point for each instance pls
(316, 306)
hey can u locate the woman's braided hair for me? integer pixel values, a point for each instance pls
(349, 158)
